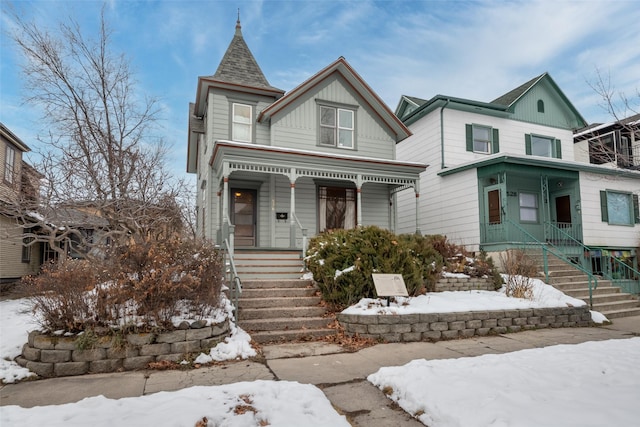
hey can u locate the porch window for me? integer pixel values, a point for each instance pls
(241, 129)
(482, 139)
(611, 148)
(337, 208)
(618, 208)
(544, 146)
(9, 165)
(528, 207)
(337, 127)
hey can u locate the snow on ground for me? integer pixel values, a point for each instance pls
(447, 302)
(583, 385)
(250, 404)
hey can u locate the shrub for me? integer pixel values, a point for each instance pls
(144, 285)
(519, 269)
(342, 262)
(60, 296)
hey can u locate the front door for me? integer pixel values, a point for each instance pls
(493, 202)
(243, 216)
(563, 211)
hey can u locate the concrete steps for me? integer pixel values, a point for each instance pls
(268, 264)
(280, 310)
(607, 299)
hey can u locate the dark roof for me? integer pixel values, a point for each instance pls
(415, 100)
(238, 66)
(513, 95)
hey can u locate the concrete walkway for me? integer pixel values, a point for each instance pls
(339, 374)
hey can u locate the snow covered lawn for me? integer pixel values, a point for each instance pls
(250, 404)
(447, 302)
(590, 384)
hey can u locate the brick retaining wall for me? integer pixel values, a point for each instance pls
(443, 326)
(57, 356)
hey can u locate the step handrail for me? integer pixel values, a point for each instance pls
(556, 252)
(304, 234)
(234, 281)
(628, 271)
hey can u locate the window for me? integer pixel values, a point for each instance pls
(619, 208)
(336, 127)
(337, 208)
(611, 147)
(528, 203)
(241, 123)
(26, 249)
(10, 165)
(544, 146)
(540, 106)
(482, 139)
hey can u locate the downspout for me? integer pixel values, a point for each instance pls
(442, 166)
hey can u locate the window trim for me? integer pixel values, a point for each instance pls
(535, 208)
(337, 127)
(233, 122)
(26, 249)
(634, 210)
(494, 138)
(9, 175)
(556, 145)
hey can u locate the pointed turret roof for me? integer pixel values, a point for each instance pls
(238, 66)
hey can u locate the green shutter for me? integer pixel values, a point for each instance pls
(636, 209)
(495, 144)
(604, 212)
(558, 148)
(469, 137)
(527, 144)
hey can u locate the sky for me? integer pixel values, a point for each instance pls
(475, 50)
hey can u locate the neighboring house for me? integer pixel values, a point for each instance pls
(507, 173)
(614, 144)
(274, 166)
(18, 183)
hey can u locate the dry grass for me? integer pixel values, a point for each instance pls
(520, 268)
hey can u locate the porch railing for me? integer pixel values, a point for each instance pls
(526, 240)
(611, 268)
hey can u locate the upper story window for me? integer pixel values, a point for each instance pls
(544, 146)
(337, 127)
(241, 122)
(611, 147)
(482, 139)
(10, 165)
(540, 106)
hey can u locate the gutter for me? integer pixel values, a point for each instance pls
(442, 166)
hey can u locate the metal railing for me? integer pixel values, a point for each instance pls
(231, 276)
(304, 234)
(611, 268)
(528, 241)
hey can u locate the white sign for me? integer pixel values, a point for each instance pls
(390, 285)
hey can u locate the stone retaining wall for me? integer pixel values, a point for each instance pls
(464, 284)
(56, 356)
(443, 326)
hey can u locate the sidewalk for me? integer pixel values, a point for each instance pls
(339, 374)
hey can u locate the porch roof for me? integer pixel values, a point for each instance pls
(540, 162)
(296, 163)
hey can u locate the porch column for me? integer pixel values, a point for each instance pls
(292, 214)
(359, 205)
(417, 189)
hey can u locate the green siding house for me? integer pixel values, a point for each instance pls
(276, 167)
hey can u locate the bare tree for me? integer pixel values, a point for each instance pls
(101, 157)
(615, 147)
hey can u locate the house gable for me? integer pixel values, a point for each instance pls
(541, 101)
(339, 83)
(297, 124)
